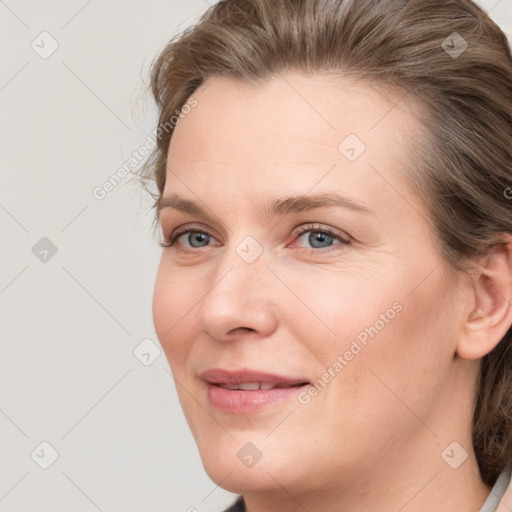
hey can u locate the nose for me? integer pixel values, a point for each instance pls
(240, 300)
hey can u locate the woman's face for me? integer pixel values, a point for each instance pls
(355, 329)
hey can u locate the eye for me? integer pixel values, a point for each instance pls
(197, 238)
(320, 238)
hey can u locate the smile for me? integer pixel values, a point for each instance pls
(248, 391)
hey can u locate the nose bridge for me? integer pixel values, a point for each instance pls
(241, 266)
(239, 293)
(240, 271)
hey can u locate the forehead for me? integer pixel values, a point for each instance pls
(293, 133)
(290, 113)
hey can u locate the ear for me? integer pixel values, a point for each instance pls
(491, 315)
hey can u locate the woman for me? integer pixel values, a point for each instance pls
(334, 295)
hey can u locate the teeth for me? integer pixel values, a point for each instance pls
(253, 386)
(228, 386)
(248, 386)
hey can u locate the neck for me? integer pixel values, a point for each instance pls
(394, 483)
(438, 488)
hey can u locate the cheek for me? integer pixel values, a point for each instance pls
(396, 341)
(336, 307)
(171, 317)
(403, 366)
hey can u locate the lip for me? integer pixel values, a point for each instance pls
(248, 402)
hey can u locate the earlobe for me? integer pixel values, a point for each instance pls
(491, 315)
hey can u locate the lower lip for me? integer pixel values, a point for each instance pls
(248, 402)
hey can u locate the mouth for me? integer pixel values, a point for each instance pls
(255, 386)
(248, 391)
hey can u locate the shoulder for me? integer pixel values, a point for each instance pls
(505, 504)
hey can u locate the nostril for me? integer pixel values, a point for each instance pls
(242, 329)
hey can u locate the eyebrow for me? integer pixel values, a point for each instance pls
(280, 206)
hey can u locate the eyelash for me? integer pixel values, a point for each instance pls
(166, 243)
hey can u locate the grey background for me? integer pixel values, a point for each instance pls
(70, 324)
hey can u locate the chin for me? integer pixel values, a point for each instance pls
(233, 462)
(238, 479)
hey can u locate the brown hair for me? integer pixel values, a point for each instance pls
(463, 167)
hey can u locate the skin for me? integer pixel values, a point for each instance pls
(372, 439)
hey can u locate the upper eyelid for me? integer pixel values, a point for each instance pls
(187, 229)
(304, 228)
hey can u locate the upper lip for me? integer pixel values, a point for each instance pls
(235, 377)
